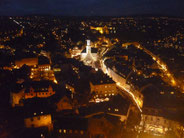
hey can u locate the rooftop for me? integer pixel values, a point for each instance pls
(100, 78)
(93, 50)
(39, 86)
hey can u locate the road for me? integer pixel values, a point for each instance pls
(168, 76)
(135, 95)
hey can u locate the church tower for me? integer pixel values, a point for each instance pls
(88, 47)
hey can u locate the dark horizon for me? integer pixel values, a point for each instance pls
(92, 7)
(99, 16)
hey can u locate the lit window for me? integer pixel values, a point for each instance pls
(172, 92)
(60, 130)
(82, 132)
(64, 131)
(76, 131)
(161, 92)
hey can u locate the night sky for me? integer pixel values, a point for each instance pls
(92, 7)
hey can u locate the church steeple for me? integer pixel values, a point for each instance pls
(88, 47)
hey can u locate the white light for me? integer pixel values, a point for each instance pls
(88, 42)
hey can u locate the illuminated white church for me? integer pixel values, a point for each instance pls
(89, 55)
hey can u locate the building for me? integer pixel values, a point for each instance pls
(36, 121)
(40, 68)
(64, 103)
(106, 117)
(116, 106)
(36, 114)
(104, 125)
(42, 72)
(35, 89)
(75, 52)
(122, 83)
(71, 127)
(89, 55)
(33, 62)
(155, 121)
(40, 89)
(102, 87)
(16, 98)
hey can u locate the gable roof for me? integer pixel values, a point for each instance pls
(39, 86)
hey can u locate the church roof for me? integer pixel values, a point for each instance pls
(93, 50)
(84, 50)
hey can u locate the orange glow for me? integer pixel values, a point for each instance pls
(100, 29)
(138, 102)
(55, 81)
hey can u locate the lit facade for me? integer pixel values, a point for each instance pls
(42, 72)
(155, 123)
(64, 104)
(41, 93)
(39, 121)
(71, 127)
(16, 99)
(75, 52)
(104, 89)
